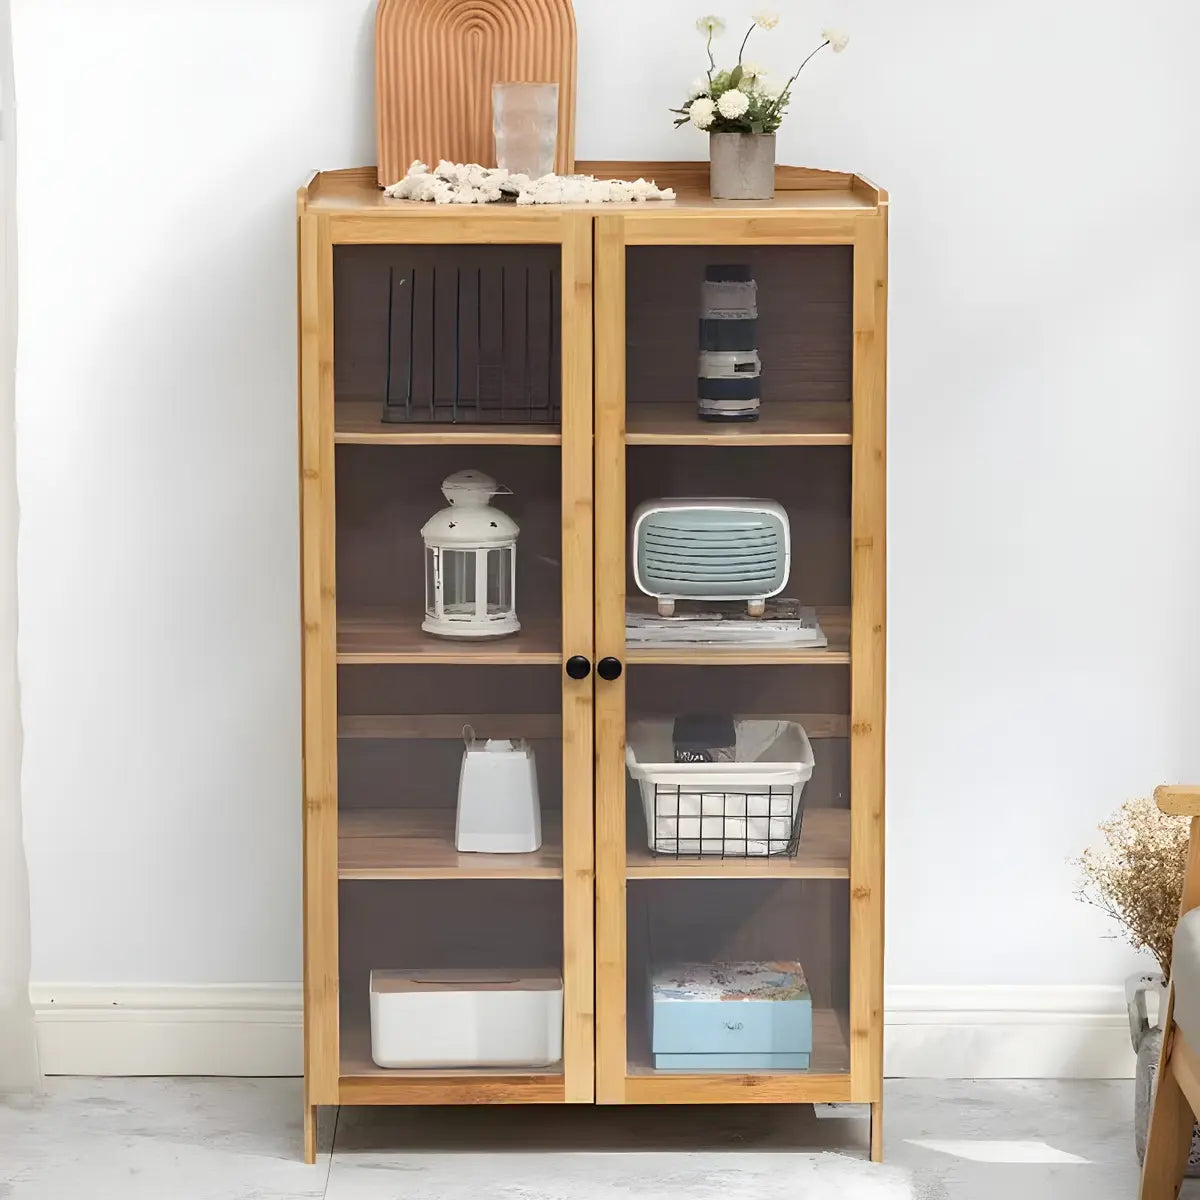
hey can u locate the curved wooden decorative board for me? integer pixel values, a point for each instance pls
(436, 61)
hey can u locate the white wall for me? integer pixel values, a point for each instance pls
(1045, 539)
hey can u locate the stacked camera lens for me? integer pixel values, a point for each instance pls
(729, 385)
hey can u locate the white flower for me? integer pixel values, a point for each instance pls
(733, 104)
(701, 112)
(698, 87)
(837, 40)
(766, 18)
(710, 26)
(770, 89)
(751, 69)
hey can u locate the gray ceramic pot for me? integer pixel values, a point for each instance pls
(1147, 1042)
(741, 166)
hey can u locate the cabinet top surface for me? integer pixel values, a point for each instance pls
(356, 191)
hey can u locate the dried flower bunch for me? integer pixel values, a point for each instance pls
(1137, 875)
(744, 99)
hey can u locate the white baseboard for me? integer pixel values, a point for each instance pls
(168, 1029)
(1002, 1032)
(254, 1029)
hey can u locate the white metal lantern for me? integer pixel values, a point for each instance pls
(471, 561)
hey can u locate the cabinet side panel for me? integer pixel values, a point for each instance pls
(319, 604)
(610, 640)
(579, 1005)
(868, 658)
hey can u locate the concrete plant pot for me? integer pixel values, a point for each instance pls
(741, 166)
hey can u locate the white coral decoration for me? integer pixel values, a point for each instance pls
(701, 112)
(766, 18)
(733, 104)
(710, 26)
(469, 183)
(837, 40)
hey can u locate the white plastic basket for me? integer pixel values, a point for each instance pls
(752, 806)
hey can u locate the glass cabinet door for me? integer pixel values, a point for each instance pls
(739, 808)
(455, 846)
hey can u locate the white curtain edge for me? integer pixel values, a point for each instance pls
(19, 1070)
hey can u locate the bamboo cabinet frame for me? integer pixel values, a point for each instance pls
(811, 209)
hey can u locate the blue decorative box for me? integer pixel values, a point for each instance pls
(730, 1016)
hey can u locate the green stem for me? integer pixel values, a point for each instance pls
(787, 87)
(742, 47)
(712, 62)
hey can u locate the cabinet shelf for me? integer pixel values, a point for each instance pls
(787, 423)
(392, 635)
(449, 726)
(359, 423)
(362, 1082)
(418, 843)
(824, 854)
(835, 624)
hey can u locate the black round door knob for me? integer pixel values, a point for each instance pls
(609, 668)
(578, 667)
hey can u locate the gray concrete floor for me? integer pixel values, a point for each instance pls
(239, 1139)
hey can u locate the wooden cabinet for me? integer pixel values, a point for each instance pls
(555, 349)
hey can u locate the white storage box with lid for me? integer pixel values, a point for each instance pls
(751, 806)
(463, 1018)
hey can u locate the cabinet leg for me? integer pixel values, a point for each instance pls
(310, 1133)
(877, 1131)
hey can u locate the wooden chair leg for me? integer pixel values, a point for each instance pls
(1170, 1136)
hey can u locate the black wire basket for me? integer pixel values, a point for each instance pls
(747, 806)
(697, 822)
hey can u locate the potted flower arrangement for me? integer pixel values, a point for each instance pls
(740, 109)
(1136, 877)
